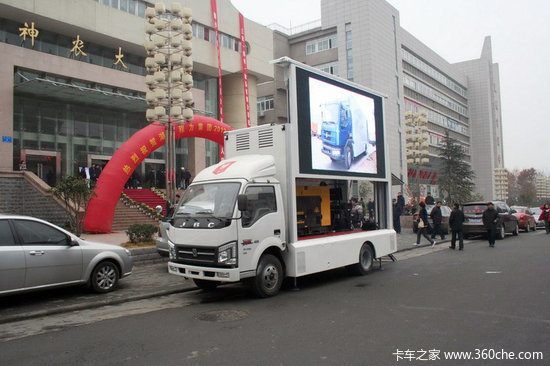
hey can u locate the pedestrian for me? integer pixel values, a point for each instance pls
(400, 201)
(187, 177)
(356, 213)
(490, 221)
(544, 216)
(423, 225)
(370, 208)
(437, 218)
(429, 200)
(455, 222)
(396, 217)
(22, 165)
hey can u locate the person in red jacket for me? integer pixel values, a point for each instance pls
(544, 216)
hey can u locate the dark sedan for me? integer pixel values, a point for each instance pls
(473, 212)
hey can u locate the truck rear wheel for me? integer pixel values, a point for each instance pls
(366, 261)
(269, 276)
(205, 284)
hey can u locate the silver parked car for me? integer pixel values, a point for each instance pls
(35, 254)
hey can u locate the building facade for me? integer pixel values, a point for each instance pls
(72, 80)
(362, 41)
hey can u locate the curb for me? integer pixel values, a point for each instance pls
(92, 305)
(423, 245)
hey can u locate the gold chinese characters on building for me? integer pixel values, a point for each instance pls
(31, 31)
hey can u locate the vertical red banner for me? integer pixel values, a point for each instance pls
(216, 29)
(244, 63)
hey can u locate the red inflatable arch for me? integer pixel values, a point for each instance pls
(101, 209)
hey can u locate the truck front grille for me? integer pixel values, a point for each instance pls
(196, 255)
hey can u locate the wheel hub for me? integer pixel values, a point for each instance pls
(106, 277)
(270, 276)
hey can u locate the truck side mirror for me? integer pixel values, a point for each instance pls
(242, 202)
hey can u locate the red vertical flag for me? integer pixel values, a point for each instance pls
(215, 21)
(244, 63)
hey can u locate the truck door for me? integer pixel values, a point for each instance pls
(262, 222)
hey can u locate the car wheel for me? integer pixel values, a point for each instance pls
(516, 230)
(206, 285)
(269, 276)
(501, 232)
(104, 277)
(366, 261)
(347, 157)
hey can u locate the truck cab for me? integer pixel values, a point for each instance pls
(228, 238)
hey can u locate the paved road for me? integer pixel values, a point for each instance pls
(432, 299)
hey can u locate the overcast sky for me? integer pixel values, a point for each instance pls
(520, 33)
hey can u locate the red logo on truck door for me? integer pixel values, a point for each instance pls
(222, 168)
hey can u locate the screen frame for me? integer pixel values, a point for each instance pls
(302, 77)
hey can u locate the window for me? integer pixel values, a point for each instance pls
(321, 44)
(5, 234)
(261, 201)
(32, 233)
(331, 68)
(265, 103)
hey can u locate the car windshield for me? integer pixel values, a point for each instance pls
(213, 200)
(474, 209)
(330, 112)
(536, 210)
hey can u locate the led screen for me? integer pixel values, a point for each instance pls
(340, 128)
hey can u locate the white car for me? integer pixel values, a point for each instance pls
(36, 255)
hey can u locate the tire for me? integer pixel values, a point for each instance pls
(366, 261)
(501, 233)
(347, 157)
(516, 230)
(205, 284)
(104, 277)
(269, 276)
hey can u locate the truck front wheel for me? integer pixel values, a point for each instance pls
(348, 157)
(366, 261)
(206, 285)
(269, 276)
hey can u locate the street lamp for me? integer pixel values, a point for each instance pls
(169, 80)
(416, 135)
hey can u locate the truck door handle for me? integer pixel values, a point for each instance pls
(36, 252)
(277, 232)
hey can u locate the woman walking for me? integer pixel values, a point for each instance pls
(423, 225)
(544, 217)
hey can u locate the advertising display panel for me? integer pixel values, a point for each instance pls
(340, 128)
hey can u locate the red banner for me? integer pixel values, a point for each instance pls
(244, 63)
(215, 21)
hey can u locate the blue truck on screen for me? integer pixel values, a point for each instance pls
(346, 132)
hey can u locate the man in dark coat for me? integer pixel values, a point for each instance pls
(455, 222)
(396, 217)
(490, 221)
(400, 201)
(429, 200)
(436, 218)
(370, 208)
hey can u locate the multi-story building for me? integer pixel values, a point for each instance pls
(542, 184)
(362, 41)
(501, 184)
(66, 101)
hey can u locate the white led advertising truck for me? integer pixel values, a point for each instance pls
(277, 206)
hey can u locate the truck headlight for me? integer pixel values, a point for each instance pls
(336, 152)
(172, 251)
(227, 254)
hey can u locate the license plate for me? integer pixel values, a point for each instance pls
(475, 221)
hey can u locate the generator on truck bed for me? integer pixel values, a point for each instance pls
(270, 210)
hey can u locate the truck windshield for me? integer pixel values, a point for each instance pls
(330, 112)
(210, 200)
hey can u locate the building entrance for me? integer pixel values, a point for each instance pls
(45, 164)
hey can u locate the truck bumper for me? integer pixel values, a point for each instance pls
(205, 273)
(335, 153)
